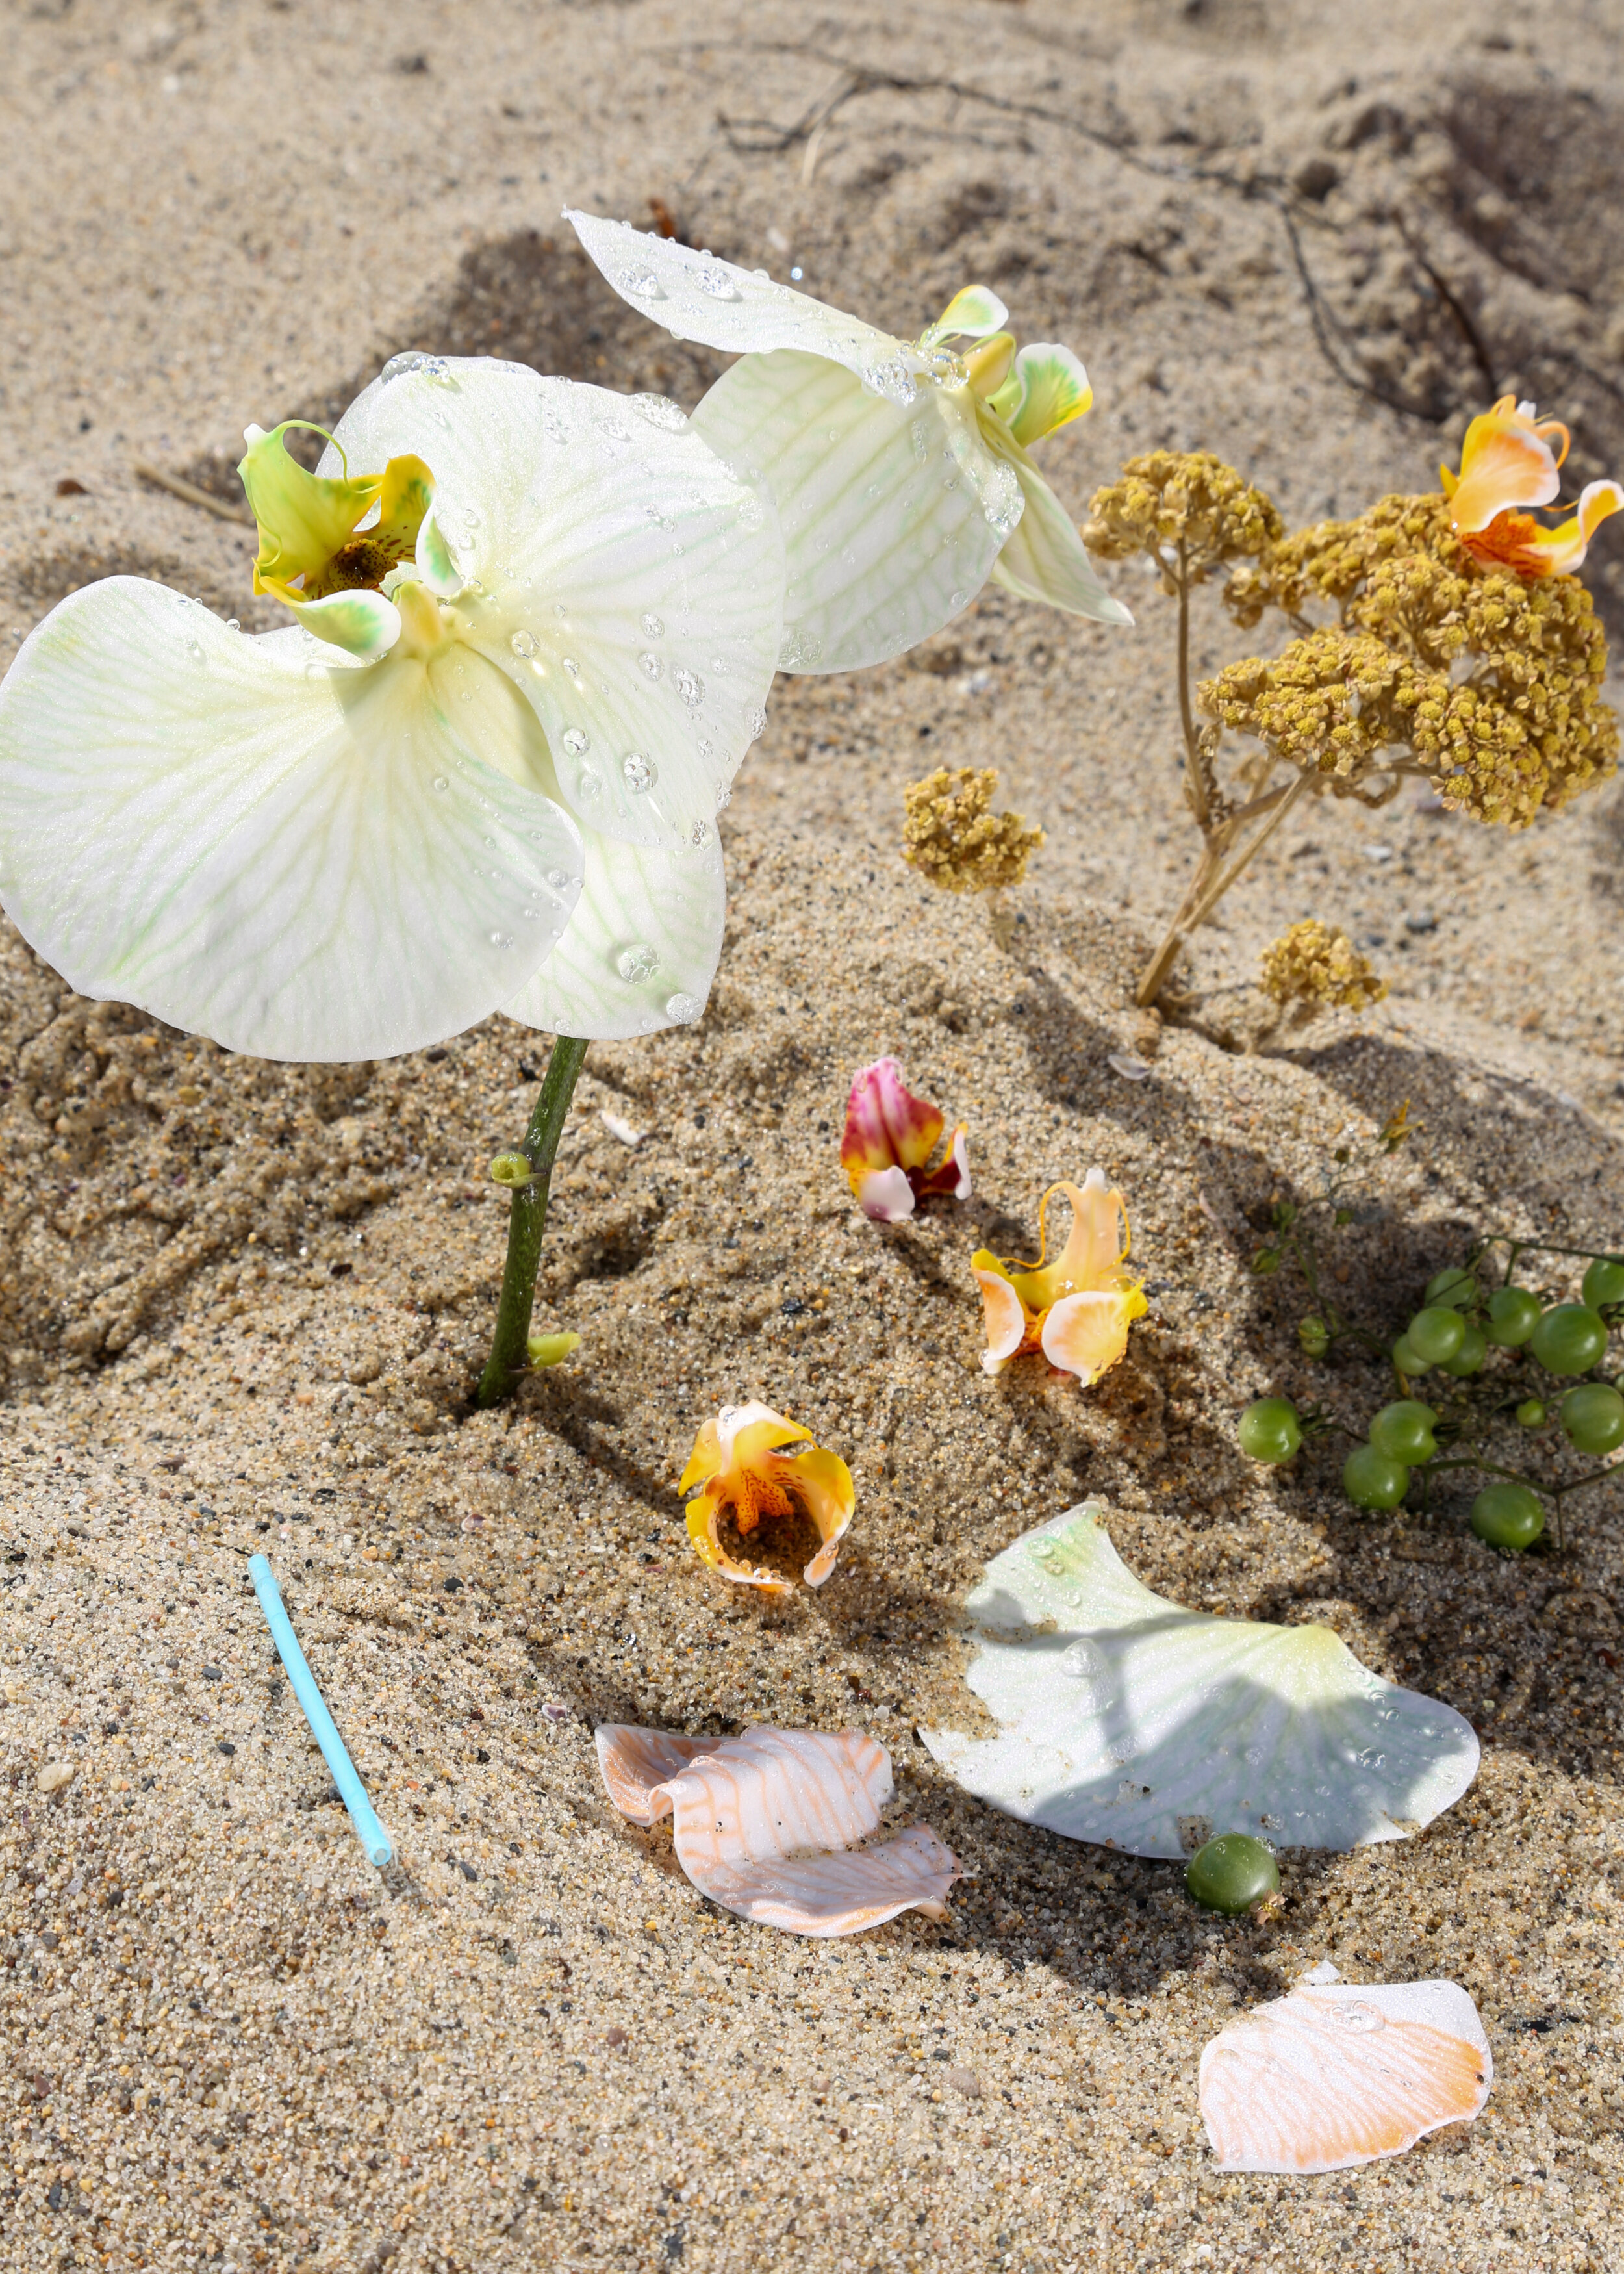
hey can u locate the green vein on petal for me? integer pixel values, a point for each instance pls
(1130, 1720)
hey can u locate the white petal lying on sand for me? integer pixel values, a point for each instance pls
(765, 1824)
(1123, 1712)
(1332, 2076)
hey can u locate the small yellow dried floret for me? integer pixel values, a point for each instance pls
(1188, 499)
(1313, 967)
(951, 837)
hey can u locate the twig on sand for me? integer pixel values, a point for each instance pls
(190, 494)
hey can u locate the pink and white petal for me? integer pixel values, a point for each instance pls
(1043, 559)
(641, 947)
(302, 860)
(1006, 1321)
(1330, 2077)
(628, 581)
(1086, 1334)
(885, 1195)
(740, 311)
(892, 517)
(635, 1763)
(822, 1896)
(885, 1124)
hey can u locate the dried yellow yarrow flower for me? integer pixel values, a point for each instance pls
(951, 837)
(1311, 968)
(1188, 503)
(1489, 683)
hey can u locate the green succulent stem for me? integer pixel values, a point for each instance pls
(527, 1220)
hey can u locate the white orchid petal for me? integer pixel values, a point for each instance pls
(972, 314)
(301, 861)
(641, 948)
(433, 557)
(619, 573)
(363, 624)
(1123, 1714)
(1044, 558)
(699, 298)
(891, 518)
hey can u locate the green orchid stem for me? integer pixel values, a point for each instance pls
(527, 1220)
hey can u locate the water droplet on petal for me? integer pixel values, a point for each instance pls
(957, 600)
(523, 644)
(576, 740)
(689, 686)
(650, 666)
(658, 412)
(653, 626)
(557, 878)
(501, 939)
(641, 283)
(683, 1010)
(718, 284)
(756, 723)
(1081, 1661)
(700, 833)
(194, 649)
(401, 367)
(572, 666)
(590, 785)
(440, 782)
(640, 773)
(637, 962)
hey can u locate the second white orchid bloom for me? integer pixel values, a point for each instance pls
(536, 625)
(900, 467)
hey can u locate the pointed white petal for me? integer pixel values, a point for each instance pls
(619, 574)
(641, 947)
(972, 314)
(740, 311)
(302, 859)
(363, 624)
(1044, 558)
(1123, 1712)
(891, 518)
(1328, 2078)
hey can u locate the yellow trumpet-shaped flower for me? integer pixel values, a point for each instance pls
(1509, 461)
(754, 1462)
(1076, 1310)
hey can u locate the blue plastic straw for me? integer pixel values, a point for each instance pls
(352, 1792)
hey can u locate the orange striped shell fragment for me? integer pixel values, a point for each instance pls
(1338, 2075)
(765, 1824)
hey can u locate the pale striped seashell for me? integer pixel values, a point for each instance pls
(1333, 2076)
(764, 1823)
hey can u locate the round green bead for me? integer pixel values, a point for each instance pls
(1269, 1430)
(1403, 1431)
(1373, 1479)
(1569, 1338)
(1507, 1516)
(1455, 1289)
(1468, 1359)
(1514, 1314)
(1604, 1282)
(1531, 1413)
(1593, 1416)
(1436, 1334)
(1232, 1873)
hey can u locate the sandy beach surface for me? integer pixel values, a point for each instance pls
(244, 1304)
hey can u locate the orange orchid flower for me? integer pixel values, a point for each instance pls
(1076, 1310)
(890, 1136)
(1508, 462)
(753, 1461)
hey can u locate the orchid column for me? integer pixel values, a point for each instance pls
(534, 627)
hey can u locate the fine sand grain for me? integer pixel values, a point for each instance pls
(244, 1304)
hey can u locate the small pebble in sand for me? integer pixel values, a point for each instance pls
(55, 1774)
(965, 2082)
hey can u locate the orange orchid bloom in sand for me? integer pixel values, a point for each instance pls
(753, 1461)
(1508, 462)
(1076, 1310)
(890, 1136)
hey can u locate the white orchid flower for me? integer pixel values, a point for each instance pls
(535, 622)
(900, 467)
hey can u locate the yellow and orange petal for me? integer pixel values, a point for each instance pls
(1517, 541)
(1076, 1310)
(1507, 461)
(757, 1464)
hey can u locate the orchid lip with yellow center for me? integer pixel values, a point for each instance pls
(753, 1463)
(1076, 1310)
